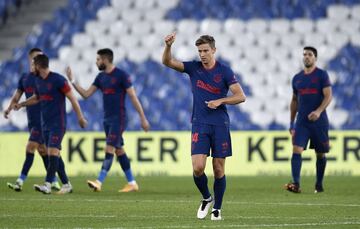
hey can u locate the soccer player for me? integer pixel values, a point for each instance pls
(51, 90)
(26, 85)
(311, 95)
(210, 81)
(114, 83)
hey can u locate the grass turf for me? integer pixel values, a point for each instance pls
(172, 202)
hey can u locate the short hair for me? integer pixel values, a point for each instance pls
(312, 49)
(206, 39)
(107, 53)
(41, 60)
(34, 50)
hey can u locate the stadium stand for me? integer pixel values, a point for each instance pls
(261, 40)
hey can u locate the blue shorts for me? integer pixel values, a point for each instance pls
(36, 135)
(113, 132)
(318, 136)
(205, 137)
(53, 138)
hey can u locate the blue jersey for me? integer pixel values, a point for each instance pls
(27, 85)
(113, 86)
(51, 92)
(309, 91)
(207, 85)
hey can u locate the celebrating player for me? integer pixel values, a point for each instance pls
(210, 81)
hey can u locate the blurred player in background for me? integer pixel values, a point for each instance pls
(211, 81)
(114, 83)
(311, 95)
(36, 142)
(51, 89)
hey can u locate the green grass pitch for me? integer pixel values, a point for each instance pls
(172, 202)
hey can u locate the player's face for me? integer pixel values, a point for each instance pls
(100, 63)
(206, 53)
(309, 58)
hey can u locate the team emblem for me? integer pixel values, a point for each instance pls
(217, 78)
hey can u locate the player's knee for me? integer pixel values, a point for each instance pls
(298, 149)
(42, 150)
(31, 147)
(218, 172)
(198, 170)
(120, 152)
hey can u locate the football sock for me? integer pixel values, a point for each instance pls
(45, 159)
(125, 165)
(53, 167)
(296, 167)
(219, 190)
(29, 159)
(62, 173)
(105, 167)
(320, 170)
(202, 184)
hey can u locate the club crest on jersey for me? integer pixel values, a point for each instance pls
(217, 78)
(315, 80)
(113, 81)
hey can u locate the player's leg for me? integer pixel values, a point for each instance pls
(219, 187)
(300, 140)
(95, 185)
(200, 147)
(29, 159)
(43, 153)
(53, 141)
(125, 166)
(321, 144)
(221, 148)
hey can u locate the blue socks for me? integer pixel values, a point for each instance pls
(105, 167)
(125, 165)
(29, 159)
(53, 167)
(202, 184)
(296, 167)
(320, 170)
(61, 171)
(46, 164)
(219, 190)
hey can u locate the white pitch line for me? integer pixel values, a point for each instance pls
(57, 216)
(184, 202)
(222, 225)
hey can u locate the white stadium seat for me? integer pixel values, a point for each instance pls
(82, 40)
(303, 26)
(257, 26)
(280, 26)
(211, 27)
(234, 27)
(187, 27)
(107, 15)
(338, 12)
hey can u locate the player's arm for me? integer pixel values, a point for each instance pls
(238, 96)
(34, 99)
(136, 103)
(293, 111)
(14, 100)
(167, 58)
(75, 104)
(314, 115)
(83, 92)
